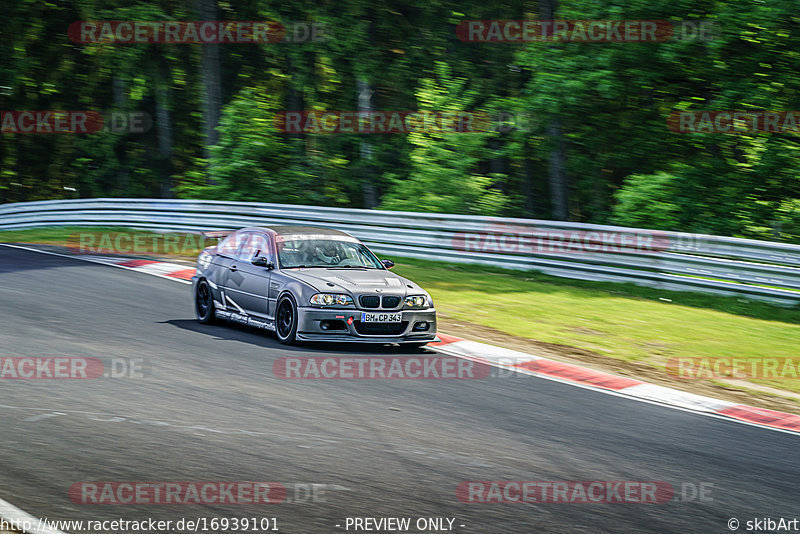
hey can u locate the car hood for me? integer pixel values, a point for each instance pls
(355, 280)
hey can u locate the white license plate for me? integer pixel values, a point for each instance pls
(381, 317)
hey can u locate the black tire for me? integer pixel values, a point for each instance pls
(286, 320)
(204, 303)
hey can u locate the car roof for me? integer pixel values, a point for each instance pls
(295, 230)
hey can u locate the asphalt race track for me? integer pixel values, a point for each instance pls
(209, 408)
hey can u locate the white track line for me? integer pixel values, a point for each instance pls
(17, 517)
(621, 393)
(99, 261)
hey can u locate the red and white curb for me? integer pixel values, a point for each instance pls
(619, 385)
(174, 271)
(164, 269)
(530, 364)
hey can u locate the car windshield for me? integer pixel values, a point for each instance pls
(331, 253)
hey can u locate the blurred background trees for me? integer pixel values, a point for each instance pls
(588, 141)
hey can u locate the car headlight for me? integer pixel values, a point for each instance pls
(417, 301)
(331, 299)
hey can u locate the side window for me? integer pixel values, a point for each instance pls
(251, 245)
(244, 253)
(260, 245)
(230, 245)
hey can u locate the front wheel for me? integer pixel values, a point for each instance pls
(204, 303)
(286, 320)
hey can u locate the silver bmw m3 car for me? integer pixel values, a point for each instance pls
(310, 284)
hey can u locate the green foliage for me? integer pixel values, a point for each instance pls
(691, 198)
(648, 201)
(246, 163)
(444, 166)
(597, 111)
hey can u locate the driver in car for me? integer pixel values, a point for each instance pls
(328, 252)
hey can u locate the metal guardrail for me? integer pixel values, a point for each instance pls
(668, 260)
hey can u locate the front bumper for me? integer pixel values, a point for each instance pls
(311, 322)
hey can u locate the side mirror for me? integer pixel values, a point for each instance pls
(261, 261)
(387, 263)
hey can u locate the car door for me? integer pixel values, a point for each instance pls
(247, 285)
(221, 263)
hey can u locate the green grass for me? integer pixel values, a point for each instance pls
(621, 321)
(104, 240)
(49, 235)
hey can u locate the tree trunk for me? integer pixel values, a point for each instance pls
(558, 177)
(559, 192)
(368, 189)
(118, 90)
(164, 125)
(212, 79)
(527, 188)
